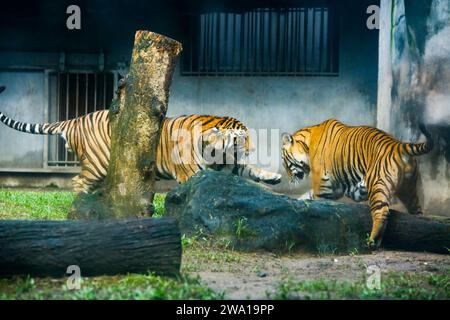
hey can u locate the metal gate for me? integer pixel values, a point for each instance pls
(74, 94)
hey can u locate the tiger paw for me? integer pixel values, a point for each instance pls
(273, 179)
(373, 244)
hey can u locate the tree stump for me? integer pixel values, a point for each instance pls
(135, 132)
(47, 248)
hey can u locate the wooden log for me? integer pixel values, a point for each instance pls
(47, 248)
(417, 233)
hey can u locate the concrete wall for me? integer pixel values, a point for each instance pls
(289, 103)
(281, 103)
(24, 100)
(419, 90)
(56, 180)
(432, 32)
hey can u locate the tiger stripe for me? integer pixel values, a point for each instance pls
(360, 162)
(89, 137)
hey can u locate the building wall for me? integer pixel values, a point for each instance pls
(430, 22)
(280, 103)
(24, 100)
(419, 86)
(290, 103)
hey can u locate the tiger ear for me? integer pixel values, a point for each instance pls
(287, 139)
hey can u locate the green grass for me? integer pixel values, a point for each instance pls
(403, 285)
(199, 252)
(47, 205)
(132, 286)
(158, 203)
(54, 205)
(241, 227)
(35, 205)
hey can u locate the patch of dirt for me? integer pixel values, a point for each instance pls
(253, 275)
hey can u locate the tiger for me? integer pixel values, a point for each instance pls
(360, 162)
(180, 152)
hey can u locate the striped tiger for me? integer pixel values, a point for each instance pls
(360, 162)
(180, 152)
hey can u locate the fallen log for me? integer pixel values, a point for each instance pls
(250, 217)
(47, 248)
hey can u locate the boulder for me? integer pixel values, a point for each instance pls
(249, 216)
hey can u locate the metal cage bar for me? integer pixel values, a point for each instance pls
(296, 42)
(73, 89)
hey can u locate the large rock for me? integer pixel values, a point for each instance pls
(251, 217)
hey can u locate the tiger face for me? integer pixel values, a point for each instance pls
(239, 141)
(295, 154)
(233, 143)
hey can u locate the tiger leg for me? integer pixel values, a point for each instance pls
(256, 174)
(80, 184)
(408, 193)
(88, 178)
(314, 192)
(379, 198)
(322, 187)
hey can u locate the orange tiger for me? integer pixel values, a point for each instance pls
(361, 162)
(182, 150)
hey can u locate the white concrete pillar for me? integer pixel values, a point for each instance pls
(384, 102)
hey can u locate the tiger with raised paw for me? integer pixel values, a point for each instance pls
(179, 155)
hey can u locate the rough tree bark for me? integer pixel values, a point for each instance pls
(47, 248)
(135, 131)
(136, 128)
